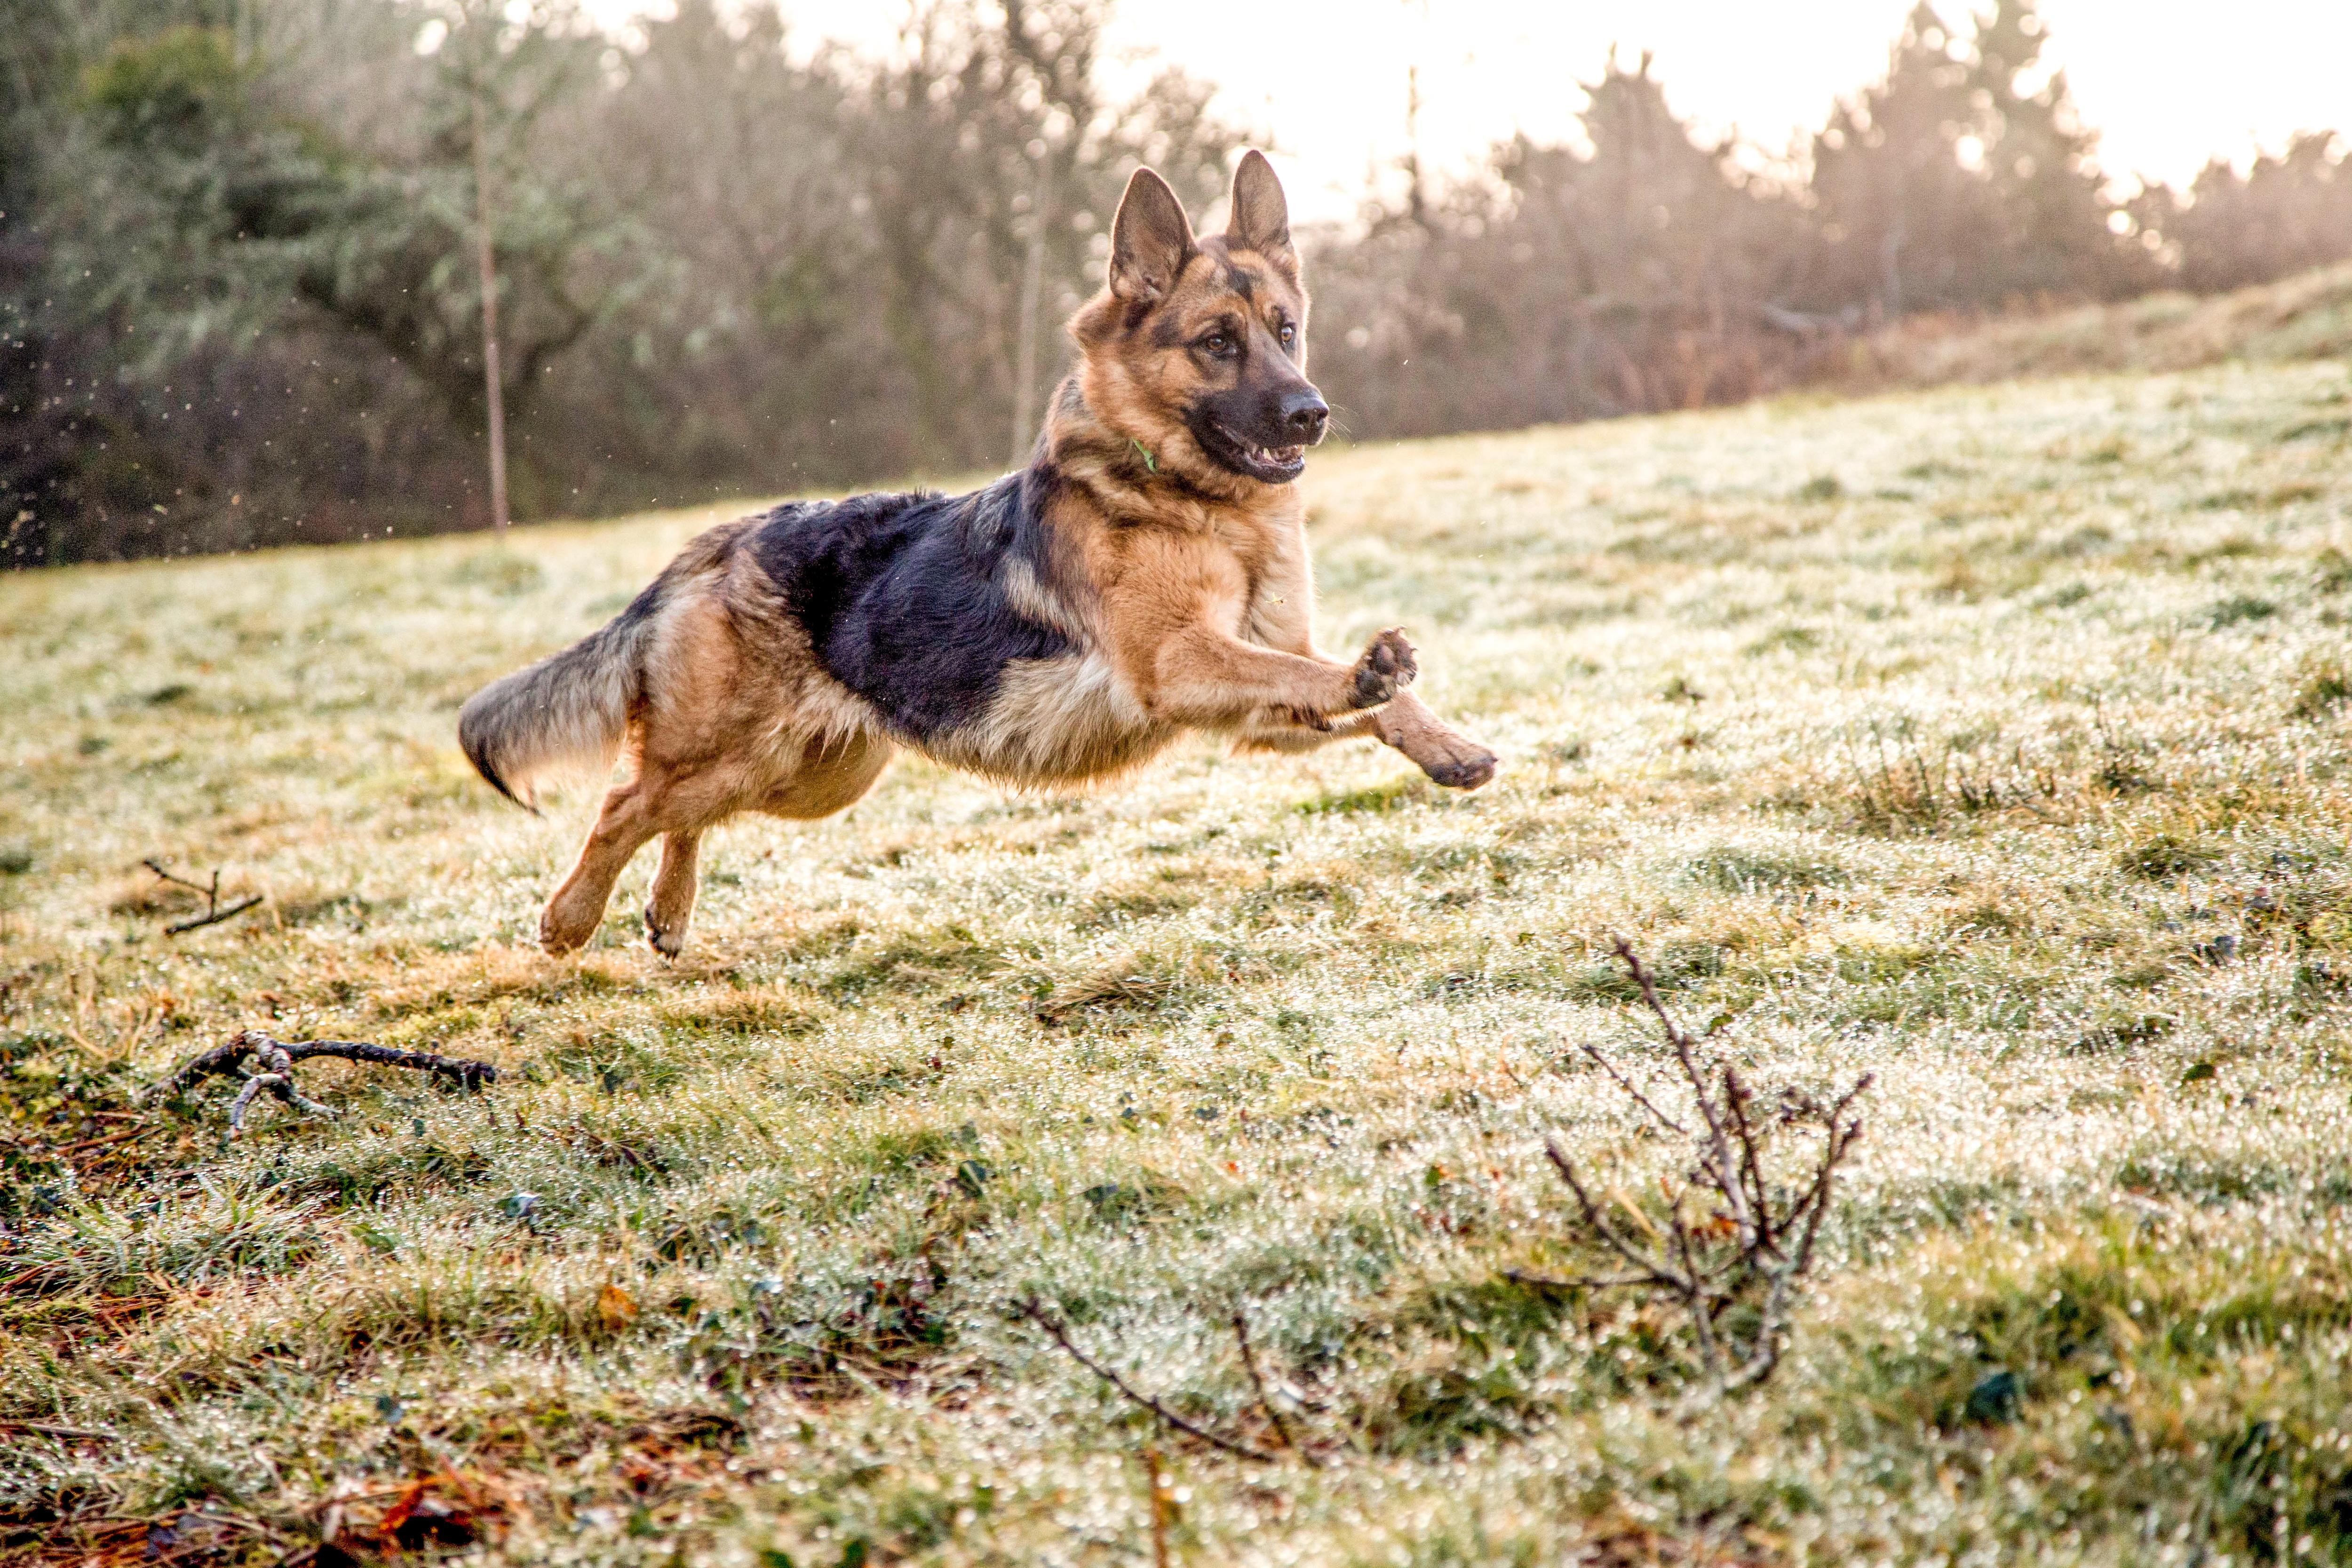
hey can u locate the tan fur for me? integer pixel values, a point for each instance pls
(1184, 587)
(569, 713)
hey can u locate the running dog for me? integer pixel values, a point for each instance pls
(1146, 574)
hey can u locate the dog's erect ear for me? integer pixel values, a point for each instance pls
(1149, 240)
(1261, 217)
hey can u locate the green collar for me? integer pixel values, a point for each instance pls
(1150, 463)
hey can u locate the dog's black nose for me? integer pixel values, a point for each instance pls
(1303, 415)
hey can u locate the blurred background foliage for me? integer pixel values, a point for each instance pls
(238, 305)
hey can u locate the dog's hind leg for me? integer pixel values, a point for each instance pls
(825, 780)
(627, 821)
(671, 905)
(674, 802)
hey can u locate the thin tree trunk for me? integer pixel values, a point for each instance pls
(495, 382)
(1033, 284)
(1416, 200)
(1890, 263)
(1416, 193)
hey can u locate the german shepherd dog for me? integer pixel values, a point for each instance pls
(1146, 574)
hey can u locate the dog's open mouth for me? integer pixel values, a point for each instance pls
(1268, 465)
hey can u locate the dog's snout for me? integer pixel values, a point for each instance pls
(1304, 416)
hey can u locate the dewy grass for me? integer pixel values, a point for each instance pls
(721, 1270)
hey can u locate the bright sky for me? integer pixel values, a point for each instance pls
(2166, 82)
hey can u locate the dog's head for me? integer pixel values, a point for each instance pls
(1197, 348)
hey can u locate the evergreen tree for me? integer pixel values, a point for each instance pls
(240, 301)
(39, 433)
(1958, 183)
(2055, 236)
(2289, 210)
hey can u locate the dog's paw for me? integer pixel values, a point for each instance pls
(668, 943)
(558, 937)
(1457, 762)
(1385, 668)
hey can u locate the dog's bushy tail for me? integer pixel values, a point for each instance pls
(568, 710)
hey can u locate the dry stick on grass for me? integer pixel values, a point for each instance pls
(276, 1061)
(214, 914)
(1758, 1244)
(1028, 1308)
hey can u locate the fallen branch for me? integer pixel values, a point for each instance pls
(1028, 1308)
(276, 1060)
(214, 914)
(1757, 1243)
(213, 918)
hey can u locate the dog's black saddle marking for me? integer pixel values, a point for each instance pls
(901, 595)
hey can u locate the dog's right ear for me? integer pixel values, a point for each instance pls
(1149, 240)
(1261, 220)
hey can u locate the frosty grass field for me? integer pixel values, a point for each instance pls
(1991, 741)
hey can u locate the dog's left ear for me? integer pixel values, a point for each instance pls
(1261, 215)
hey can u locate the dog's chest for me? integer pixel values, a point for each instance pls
(1273, 615)
(1276, 609)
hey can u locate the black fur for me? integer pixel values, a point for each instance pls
(901, 597)
(477, 747)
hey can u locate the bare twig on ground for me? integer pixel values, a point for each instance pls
(276, 1059)
(1757, 1243)
(1028, 1307)
(214, 914)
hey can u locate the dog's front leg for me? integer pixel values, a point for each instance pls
(1444, 753)
(1206, 676)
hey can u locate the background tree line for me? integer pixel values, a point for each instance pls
(238, 305)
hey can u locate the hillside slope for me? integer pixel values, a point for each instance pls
(1990, 741)
(2304, 317)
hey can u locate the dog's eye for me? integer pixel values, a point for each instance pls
(1218, 344)
(1289, 335)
